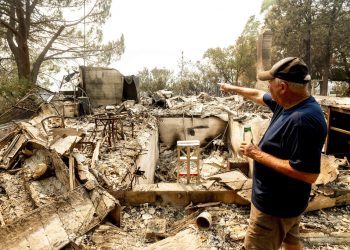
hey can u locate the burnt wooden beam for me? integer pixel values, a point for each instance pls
(177, 195)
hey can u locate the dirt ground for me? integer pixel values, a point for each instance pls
(225, 232)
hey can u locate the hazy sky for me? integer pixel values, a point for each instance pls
(157, 31)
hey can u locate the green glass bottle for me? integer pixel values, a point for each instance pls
(248, 134)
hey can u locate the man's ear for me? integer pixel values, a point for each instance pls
(284, 86)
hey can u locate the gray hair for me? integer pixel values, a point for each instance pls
(296, 85)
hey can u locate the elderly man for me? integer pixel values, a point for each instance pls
(287, 159)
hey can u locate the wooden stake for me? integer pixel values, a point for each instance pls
(71, 173)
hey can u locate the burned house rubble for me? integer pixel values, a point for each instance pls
(109, 178)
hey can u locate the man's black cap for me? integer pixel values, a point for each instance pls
(291, 69)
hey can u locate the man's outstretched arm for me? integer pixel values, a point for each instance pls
(255, 95)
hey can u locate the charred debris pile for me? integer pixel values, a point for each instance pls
(77, 176)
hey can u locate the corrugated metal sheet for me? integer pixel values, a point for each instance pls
(27, 106)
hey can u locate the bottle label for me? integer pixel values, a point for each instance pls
(248, 134)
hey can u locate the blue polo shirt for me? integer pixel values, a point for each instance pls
(296, 134)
